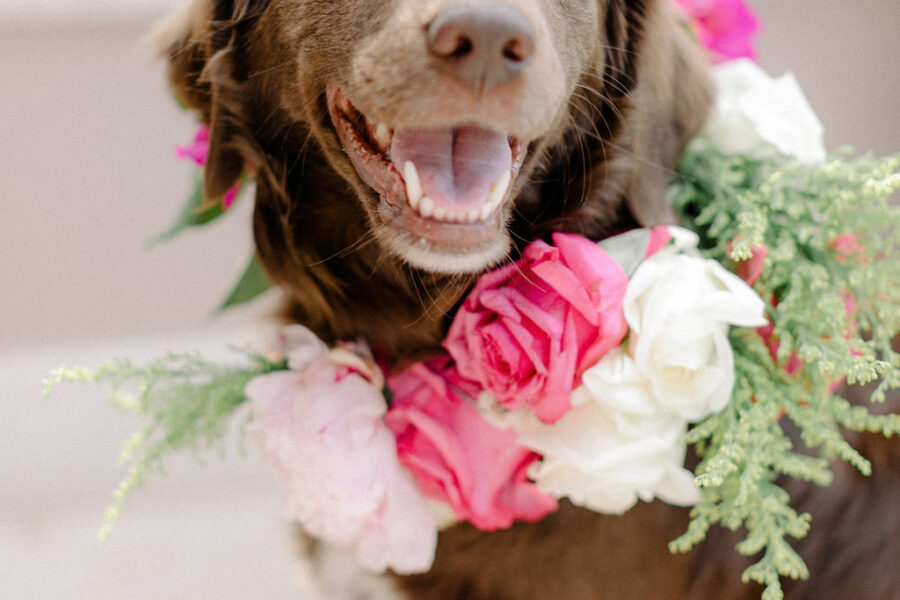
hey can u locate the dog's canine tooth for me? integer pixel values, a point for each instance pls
(485, 212)
(498, 191)
(413, 183)
(383, 134)
(426, 205)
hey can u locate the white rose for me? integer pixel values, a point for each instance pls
(678, 308)
(606, 460)
(755, 112)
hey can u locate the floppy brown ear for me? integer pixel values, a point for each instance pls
(200, 43)
(670, 103)
(648, 92)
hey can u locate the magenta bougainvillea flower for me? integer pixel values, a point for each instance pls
(727, 28)
(198, 152)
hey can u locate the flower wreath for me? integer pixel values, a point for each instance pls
(584, 370)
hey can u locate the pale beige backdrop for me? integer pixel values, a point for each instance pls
(87, 177)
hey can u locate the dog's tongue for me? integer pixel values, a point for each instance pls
(457, 166)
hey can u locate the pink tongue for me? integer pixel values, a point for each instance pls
(457, 166)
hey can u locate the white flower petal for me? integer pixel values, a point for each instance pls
(758, 115)
(679, 308)
(605, 459)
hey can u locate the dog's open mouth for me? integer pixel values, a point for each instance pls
(443, 190)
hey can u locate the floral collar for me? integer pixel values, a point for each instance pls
(562, 378)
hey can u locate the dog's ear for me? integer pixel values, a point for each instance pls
(649, 92)
(204, 46)
(670, 102)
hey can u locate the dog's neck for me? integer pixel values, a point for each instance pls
(337, 278)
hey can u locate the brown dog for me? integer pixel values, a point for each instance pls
(401, 147)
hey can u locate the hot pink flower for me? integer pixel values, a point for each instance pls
(726, 27)
(660, 236)
(751, 269)
(198, 152)
(527, 331)
(459, 458)
(847, 246)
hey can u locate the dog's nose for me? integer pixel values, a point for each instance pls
(483, 44)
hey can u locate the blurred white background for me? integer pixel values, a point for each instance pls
(87, 176)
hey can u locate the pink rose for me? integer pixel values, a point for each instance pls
(459, 458)
(527, 331)
(725, 27)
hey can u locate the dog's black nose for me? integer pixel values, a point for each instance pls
(482, 44)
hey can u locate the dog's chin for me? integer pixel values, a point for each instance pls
(441, 194)
(443, 248)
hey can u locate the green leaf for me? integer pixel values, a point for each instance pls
(193, 214)
(252, 284)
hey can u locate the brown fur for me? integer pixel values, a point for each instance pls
(256, 72)
(632, 88)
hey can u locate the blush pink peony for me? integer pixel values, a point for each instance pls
(527, 331)
(459, 458)
(320, 426)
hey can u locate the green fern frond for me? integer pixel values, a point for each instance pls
(834, 310)
(185, 400)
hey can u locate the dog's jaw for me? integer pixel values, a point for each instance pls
(449, 213)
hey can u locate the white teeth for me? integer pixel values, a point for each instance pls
(383, 134)
(426, 206)
(498, 191)
(413, 184)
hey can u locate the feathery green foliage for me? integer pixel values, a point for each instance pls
(185, 400)
(832, 278)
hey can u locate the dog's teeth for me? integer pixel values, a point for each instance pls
(440, 214)
(426, 205)
(486, 211)
(473, 215)
(413, 184)
(383, 134)
(498, 191)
